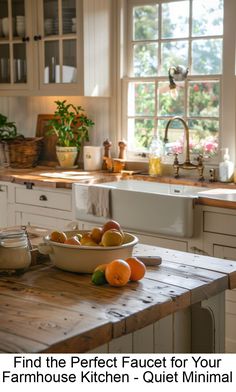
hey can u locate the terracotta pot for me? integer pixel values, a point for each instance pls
(66, 155)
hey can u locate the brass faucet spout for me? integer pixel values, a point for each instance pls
(186, 129)
(186, 164)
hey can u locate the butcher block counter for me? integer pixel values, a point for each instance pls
(177, 307)
(57, 178)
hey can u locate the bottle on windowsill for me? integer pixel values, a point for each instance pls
(226, 168)
(155, 157)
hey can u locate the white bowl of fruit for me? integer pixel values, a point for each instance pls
(82, 251)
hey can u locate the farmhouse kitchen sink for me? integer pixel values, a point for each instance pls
(143, 206)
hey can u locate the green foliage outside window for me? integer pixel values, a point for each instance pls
(152, 102)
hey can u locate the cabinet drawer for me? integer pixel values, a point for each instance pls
(163, 242)
(41, 221)
(219, 223)
(44, 198)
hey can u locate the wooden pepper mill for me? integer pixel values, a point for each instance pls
(107, 154)
(122, 146)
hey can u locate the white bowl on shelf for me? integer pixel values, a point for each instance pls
(69, 74)
(20, 30)
(5, 27)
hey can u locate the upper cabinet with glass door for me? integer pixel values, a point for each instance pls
(55, 47)
(14, 46)
(60, 46)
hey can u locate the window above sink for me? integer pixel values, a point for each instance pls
(160, 35)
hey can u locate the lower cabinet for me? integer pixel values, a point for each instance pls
(163, 242)
(43, 207)
(30, 219)
(226, 252)
(3, 206)
(220, 241)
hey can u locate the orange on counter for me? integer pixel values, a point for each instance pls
(138, 268)
(117, 273)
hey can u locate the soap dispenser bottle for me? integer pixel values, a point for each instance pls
(155, 157)
(226, 168)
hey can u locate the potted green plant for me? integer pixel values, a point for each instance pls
(71, 126)
(8, 129)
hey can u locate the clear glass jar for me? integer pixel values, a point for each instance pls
(14, 250)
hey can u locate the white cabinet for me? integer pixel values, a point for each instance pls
(3, 205)
(42, 207)
(220, 241)
(15, 45)
(227, 252)
(55, 47)
(87, 225)
(163, 242)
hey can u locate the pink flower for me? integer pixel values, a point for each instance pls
(210, 146)
(177, 148)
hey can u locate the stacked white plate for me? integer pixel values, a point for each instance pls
(5, 27)
(48, 26)
(55, 26)
(20, 25)
(73, 27)
(1, 33)
(68, 14)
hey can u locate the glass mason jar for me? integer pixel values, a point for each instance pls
(14, 250)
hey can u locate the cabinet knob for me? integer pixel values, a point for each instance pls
(43, 198)
(37, 37)
(25, 39)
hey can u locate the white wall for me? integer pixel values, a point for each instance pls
(24, 111)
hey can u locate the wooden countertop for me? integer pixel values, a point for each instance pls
(49, 310)
(57, 178)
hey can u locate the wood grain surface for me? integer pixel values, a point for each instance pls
(58, 178)
(49, 310)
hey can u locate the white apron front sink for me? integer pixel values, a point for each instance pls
(142, 206)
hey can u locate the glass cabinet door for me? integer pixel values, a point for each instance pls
(60, 41)
(13, 42)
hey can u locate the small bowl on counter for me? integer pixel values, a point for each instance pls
(84, 259)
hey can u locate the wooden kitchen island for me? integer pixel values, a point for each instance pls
(177, 307)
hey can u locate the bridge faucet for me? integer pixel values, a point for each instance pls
(187, 164)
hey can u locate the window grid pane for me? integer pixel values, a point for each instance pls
(145, 23)
(154, 52)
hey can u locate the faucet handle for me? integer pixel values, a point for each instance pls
(176, 166)
(200, 159)
(176, 161)
(200, 167)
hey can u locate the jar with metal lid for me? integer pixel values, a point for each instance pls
(14, 250)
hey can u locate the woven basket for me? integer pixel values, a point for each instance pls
(23, 153)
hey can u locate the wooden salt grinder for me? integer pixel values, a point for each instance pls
(107, 154)
(122, 146)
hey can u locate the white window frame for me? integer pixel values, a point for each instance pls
(227, 137)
